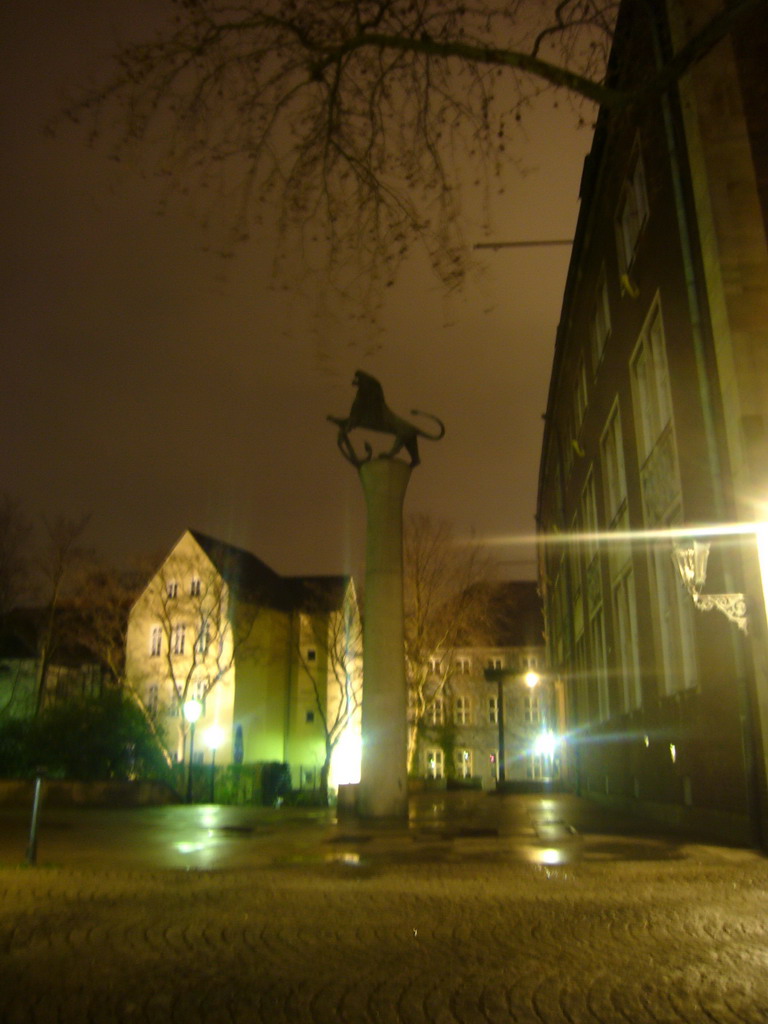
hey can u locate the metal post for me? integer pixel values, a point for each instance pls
(191, 761)
(500, 715)
(213, 774)
(32, 845)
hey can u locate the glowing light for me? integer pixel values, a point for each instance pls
(545, 856)
(532, 679)
(210, 817)
(545, 744)
(189, 847)
(349, 859)
(213, 737)
(345, 763)
(673, 752)
(551, 856)
(192, 710)
(762, 553)
(622, 536)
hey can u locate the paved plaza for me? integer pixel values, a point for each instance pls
(485, 909)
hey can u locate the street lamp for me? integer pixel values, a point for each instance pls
(213, 736)
(498, 675)
(192, 709)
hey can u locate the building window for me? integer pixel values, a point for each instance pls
(434, 666)
(650, 384)
(463, 708)
(531, 709)
(435, 714)
(673, 609)
(592, 578)
(156, 641)
(310, 717)
(627, 639)
(200, 690)
(493, 710)
(495, 663)
(463, 764)
(172, 589)
(194, 588)
(632, 212)
(612, 457)
(204, 638)
(178, 635)
(600, 324)
(582, 702)
(434, 763)
(153, 699)
(654, 427)
(494, 763)
(463, 666)
(311, 654)
(597, 636)
(537, 766)
(579, 394)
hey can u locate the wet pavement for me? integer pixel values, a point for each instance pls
(552, 829)
(481, 909)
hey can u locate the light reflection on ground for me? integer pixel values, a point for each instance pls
(347, 858)
(540, 830)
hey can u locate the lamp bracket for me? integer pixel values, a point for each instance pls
(691, 563)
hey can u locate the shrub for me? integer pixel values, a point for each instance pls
(91, 738)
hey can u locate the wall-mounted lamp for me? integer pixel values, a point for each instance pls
(691, 563)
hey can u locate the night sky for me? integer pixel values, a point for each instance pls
(159, 386)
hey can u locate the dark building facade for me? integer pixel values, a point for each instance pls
(655, 450)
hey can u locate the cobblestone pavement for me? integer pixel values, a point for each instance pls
(372, 927)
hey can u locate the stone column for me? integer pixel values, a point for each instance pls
(383, 789)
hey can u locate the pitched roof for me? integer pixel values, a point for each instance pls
(318, 593)
(515, 618)
(251, 579)
(247, 576)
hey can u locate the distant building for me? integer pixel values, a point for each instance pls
(71, 669)
(458, 734)
(274, 661)
(656, 439)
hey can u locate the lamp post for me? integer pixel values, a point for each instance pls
(498, 675)
(192, 709)
(213, 737)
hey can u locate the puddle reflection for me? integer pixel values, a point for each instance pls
(549, 856)
(348, 858)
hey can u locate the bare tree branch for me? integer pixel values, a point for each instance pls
(357, 119)
(445, 608)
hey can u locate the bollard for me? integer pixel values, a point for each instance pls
(32, 845)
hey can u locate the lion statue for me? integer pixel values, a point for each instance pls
(370, 412)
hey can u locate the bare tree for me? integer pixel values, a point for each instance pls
(445, 607)
(59, 556)
(335, 637)
(101, 596)
(15, 557)
(362, 120)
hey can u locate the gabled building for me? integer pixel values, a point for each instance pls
(274, 661)
(655, 451)
(492, 700)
